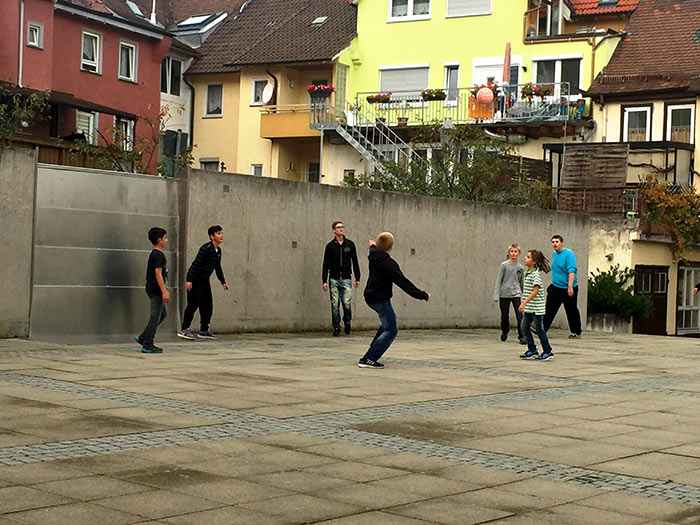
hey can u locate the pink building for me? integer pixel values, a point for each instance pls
(100, 61)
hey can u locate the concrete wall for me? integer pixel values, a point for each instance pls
(275, 232)
(17, 189)
(91, 249)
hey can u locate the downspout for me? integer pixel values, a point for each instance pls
(184, 79)
(21, 42)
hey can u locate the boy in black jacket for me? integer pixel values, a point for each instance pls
(158, 295)
(383, 273)
(198, 288)
(339, 260)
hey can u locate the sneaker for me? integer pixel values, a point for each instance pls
(504, 337)
(139, 340)
(347, 328)
(545, 356)
(522, 341)
(530, 354)
(574, 336)
(336, 331)
(368, 363)
(186, 334)
(151, 349)
(205, 334)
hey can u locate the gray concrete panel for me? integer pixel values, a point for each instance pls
(17, 191)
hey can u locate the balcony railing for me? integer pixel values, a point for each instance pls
(460, 106)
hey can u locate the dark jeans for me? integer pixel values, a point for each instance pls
(386, 333)
(528, 319)
(158, 314)
(504, 303)
(199, 297)
(341, 293)
(555, 298)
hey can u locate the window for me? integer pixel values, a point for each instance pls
(256, 170)
(556, 71)
(209, 164)
(214, 100)
(257, 92)
(313, 172)
(35, 35)
(92, 51)
(85, 123)
(680, 123)
(127, 61)
(124, 132)
(170, 74)
(406, 9)
(468, 7)
(636, 126)
(349, 175)
(452, 82)
(404, 79)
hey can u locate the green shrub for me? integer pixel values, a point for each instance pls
(611, 292)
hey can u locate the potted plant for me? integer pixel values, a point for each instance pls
(611, 301)
(490, 85)
(530, 90)
(320, 90)
(402, 121)
(433, 94)
(379, 98)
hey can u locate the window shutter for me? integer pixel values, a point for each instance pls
(468, 7)
(413, 79)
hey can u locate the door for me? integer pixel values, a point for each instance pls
(653, 281)
(313, 172)
(688, 305)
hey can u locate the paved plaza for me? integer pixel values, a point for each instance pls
(284, 428)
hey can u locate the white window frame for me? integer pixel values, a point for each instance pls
(447, 10)
(36, 28)
(557, 59)
(210, 161)
(133, 59)
(169, 76)
(407, 17)
(85, 65)
(253, 83)
(128, 127)
(91, 137)
(402, 67)
(625, 128)
(669, 110)
(254, 168)
(206, 103)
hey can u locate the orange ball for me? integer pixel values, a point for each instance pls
(484, 96)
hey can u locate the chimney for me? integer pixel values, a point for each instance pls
(153, 13)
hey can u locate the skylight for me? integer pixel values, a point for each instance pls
(319, 20)
(193, 20)
(134, 8)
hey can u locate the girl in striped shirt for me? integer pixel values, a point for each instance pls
(534, 305)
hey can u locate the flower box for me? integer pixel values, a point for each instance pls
(379, 98)
(530, 90)
(433, 94)
(320, 90)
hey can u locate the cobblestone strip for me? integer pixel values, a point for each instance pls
(131, 398)
(649, 488)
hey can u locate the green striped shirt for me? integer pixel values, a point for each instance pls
(536, 304)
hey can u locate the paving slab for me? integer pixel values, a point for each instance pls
(284, 428)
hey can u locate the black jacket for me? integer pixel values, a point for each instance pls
(383, 272)
(208, 260)
(337, 260)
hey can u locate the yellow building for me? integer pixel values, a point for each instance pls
(251, 108)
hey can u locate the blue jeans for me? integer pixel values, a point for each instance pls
(386, 333)
(158, 315)
(528, 319)
(341, 292)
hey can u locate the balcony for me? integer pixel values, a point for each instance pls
(510, 107)
(286, 121)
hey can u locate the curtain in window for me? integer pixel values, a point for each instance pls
(399, 7)
(214, 93)
(125, 62)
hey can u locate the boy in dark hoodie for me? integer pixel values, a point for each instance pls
(383, 273)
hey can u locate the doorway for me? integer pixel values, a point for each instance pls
(687, 304)
(652, 281)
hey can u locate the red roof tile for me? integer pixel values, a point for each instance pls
(591, 7)
(662, 51)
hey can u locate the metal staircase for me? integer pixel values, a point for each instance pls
(373, 139)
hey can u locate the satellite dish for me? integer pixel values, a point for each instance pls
(267, 93)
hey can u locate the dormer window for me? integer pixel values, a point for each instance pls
(409, 10)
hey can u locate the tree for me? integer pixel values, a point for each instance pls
(19, 109)
(466, 164)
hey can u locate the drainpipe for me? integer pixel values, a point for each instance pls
(594, 45)
(184, 79)
(21, 41)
